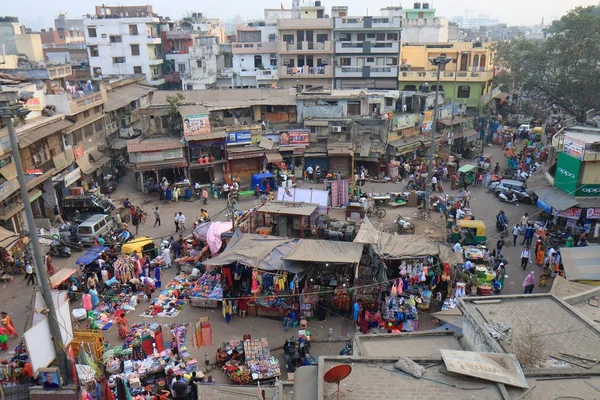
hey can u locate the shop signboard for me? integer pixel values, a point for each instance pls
(574, 147)
(78, 152)
(568, 169)
(570, 213)
(8, 188)
(593, 213)
(586, 190)
(34, 104)
(403, 121)
(294, 137)
(72, 177)
(241, 156)
(194, 124)
(427, 124)
(239, 137)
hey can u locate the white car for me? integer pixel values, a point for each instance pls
(524, 127)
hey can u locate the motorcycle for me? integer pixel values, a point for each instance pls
(558, 238)
(292, 360)
(347, 349)
(58, 249)
(505, 198)
(502, 227)
(304, 352)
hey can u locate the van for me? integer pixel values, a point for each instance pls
(94, 226)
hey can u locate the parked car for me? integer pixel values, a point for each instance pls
(518, 187)
(94, 226)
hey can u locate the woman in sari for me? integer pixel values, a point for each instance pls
(363, 321)
(95, 298)
(539, 253)
(122, 326)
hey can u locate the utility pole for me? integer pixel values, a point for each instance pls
(439, 61)
(44, 281)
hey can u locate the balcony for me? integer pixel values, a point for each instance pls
(447, 76)
(266, 75)
(59, 71)
(305, 47)
(155, 60)
(173, 77)
(225, 73)
(306, 72)
(179, 35)
(367, 72)
(371, 23)
(69, 104)
(367, 47)
(304, 24)
(153, 40)
(254, 47)
(157, 80)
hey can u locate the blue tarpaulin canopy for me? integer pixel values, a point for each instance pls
(91, 255)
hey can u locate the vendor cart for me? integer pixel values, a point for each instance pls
(61, 277)
(121, 214)
(467, 172)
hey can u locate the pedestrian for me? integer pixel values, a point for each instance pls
(256, 191)
(525, 257)
(530, 234)
(29, 275)
(181, 221)
(321, 310)
(156, 217)
(205, 195)
(57, 217)
(529, 283)
(433, 183)
(488, 179)
(135, 221)
(3, 340)
(176, 221)
(525, 220)
(8, 324)
(499, 245)
(49, 266)
(157, 276)
(193, 388)
(515, 231)
(465, 183)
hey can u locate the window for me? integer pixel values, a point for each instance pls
(380, 37)
(94, 51)
(86, 114)
(97, 109)
(273, 62)
(288, 38)
(118, 60)
(345, 37)
(137, 70)
(353, 108)
(77, 137)
(98, 126)
(133, 30)
(181, 67)
(370, 36)
(392, 36)
(464, 91)
(322, 62)
(135, 49)
(116, 39)
(92, 32)
(88, 131)
(389, 102)
(199, 63)
(391, 61)
(360, 37)
(345, 61)
(370, 59)
(322, 37)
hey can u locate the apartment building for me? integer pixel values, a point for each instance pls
(125, 41)
(420, 25)
(254, 53)
(306, 48)
(210, 65)
(15, 40)
(465, 79)
(366, 49)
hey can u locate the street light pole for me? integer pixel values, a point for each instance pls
(438, 62)
(44, 282)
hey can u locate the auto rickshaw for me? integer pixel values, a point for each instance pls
(141, 245)
(469, 231)
(468, 172)
(536, 134)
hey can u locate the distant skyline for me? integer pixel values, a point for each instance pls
(511, 12)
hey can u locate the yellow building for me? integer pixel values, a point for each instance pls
(465, 79)
(31, 46)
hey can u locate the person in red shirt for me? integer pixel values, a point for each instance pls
(27, 371)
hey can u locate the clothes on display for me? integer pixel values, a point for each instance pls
(248, 361)
(172, 298)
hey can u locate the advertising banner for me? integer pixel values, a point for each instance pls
(239, 137)
(593, 213)
(570, 213)
(574, 147)
(568, 169)
(294, 137)
(194, 124)
(588, 190)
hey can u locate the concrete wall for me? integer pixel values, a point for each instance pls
(31, 46)
(323, 112)
(205, 52)
(590, 172)
(7, 38)
(425, 31)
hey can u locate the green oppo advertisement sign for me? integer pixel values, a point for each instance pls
(568, 169)
(589, 190)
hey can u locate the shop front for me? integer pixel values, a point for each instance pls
(206, 157)
(242, 162)
(340, 159)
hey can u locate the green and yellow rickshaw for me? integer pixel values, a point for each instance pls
(469, 231)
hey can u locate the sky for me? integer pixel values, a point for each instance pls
(512, 12)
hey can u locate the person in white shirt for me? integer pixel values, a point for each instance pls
(525, 257)
(457, 248)
(433, 183)
(236, 185)
(29, 273)
(516, 231)
(195, 273)
(460, 214)
(467, 266)
(181, 219)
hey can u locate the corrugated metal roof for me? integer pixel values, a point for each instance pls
(288, 208)
(215, 99)
(151, 165)
(192, 109)
(581, 263)
(122, 96)
(206, 136)
(31, 136)
(153, 144)
(555, 199)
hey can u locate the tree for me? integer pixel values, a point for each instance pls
(174, 122)
(564, 68)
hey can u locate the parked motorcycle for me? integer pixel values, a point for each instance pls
(57, 249)
(347, 349)
(304, 352)
(505, 198)
(502, 228)
(558, 238)
(292, 360)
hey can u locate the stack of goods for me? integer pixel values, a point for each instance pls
(400, 314)
(475, 253)
(209, 286)
(171, 299)
(158, 262)
(341, 299)
(259, 360)
(449, 303)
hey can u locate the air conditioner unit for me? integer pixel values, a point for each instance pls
(273, 55)
(286, 62)
(336, 129)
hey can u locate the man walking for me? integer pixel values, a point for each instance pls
(516, 230)
(176, 221)
(530, 231)
(529, 283)
(179, 389)
(499, 245)
(205, 195)
(525, 257)
(156, 217)
(181, 221)
(29, 276)
(433, 183)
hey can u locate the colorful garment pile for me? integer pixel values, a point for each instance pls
(209, 286)
(171, 299)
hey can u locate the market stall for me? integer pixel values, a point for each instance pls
(483, 275)
(248, 362)
(171, 300)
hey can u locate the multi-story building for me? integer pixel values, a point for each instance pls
(420, 25)
(306, 48)
(125, 41)
(15, 40)
(210, 64)
(475, 22)
(366, 49)
(465, 79)
(255, 55)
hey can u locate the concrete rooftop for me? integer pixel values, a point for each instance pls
(413, 345)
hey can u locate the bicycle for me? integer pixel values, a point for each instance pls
(378, 211)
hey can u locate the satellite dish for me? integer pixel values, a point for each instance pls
(336, 375)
